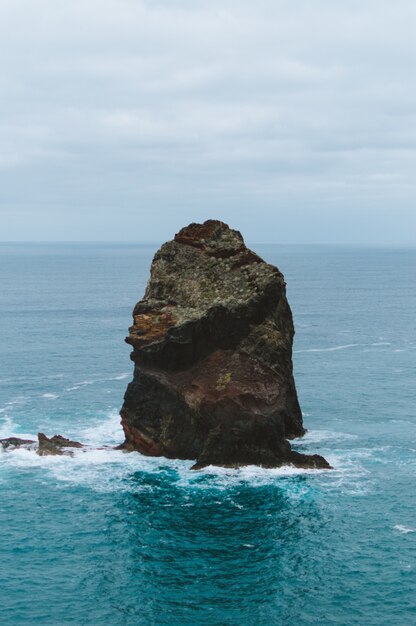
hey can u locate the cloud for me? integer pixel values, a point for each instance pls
(155, 113)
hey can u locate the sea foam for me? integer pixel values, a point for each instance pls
(404, 529)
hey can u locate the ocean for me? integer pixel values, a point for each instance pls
(109, 538)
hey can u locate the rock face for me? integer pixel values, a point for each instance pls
(212, 347)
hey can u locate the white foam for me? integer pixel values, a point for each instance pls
(107, 470)
(7, 427)
(50, 396)
(223, 478)
(319, 436)
(120, 377)
(347, 476)
(331, 349)
(106, 432)
(404, 529)
(83, 383)
(102, 468)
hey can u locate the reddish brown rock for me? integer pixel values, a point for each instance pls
(212, 347)
(16, 442)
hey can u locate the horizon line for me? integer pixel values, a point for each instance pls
(150, 242)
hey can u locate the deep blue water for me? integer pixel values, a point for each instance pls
(117, 539)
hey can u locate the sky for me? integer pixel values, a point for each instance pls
(292, 120)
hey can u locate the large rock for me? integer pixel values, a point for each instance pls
(212, 347)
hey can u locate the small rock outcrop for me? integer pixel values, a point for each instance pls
(212, 347)
(56, 445)
(44, 446)
(15, 442)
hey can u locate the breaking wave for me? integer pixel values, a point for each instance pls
(102, 468)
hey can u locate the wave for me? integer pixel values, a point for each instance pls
(100, 467)
(331, 349)
(319, 436)
(109, 470)
(404, 529)
(120, 377)
(10, 428)
(107, 432)
(7, 427)
(50, 396)
(19, 401)
(31, 378)
(85, 383)
(376, 344)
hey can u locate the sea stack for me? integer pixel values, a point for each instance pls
(212, 347)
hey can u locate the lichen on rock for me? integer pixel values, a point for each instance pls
(212, 346)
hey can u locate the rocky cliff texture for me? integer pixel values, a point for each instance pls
(212, 347)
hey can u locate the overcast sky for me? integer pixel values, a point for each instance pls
(292, 120)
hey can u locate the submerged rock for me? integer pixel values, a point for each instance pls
(15, 442)
(212, 347)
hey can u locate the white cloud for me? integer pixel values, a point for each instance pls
(197, 108)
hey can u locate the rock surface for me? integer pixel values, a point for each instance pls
(212, 347)
(44, 446)
(16, 442)
(56, 445)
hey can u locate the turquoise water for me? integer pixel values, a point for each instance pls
(117, 539)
